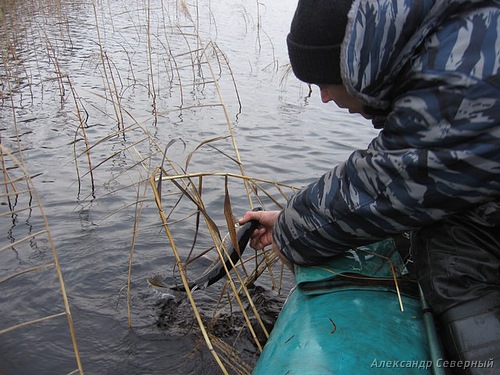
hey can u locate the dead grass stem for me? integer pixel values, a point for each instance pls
(180, 68)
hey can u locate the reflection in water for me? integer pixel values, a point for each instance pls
(94, 96)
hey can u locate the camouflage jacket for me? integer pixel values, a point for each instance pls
(434, 66)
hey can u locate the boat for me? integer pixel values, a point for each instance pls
(357, 314)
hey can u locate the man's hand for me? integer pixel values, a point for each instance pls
(263, 235)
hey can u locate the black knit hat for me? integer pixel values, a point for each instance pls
(317, 31)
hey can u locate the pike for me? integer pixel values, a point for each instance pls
(216, 270)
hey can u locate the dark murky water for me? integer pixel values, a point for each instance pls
(134, 73)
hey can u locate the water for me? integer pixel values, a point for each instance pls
(129, 72)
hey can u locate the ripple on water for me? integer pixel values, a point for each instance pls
(282, 135)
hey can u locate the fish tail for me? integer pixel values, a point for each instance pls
(157, 281)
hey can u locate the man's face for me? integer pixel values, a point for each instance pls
(341, 97)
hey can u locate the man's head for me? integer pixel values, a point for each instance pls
(316, 34)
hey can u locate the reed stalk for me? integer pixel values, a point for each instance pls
(139, 205)
(187, 189)
(35, 203)
(199, 67)
(109, 80)
(82, 128)
(151, 80)
(181, 269)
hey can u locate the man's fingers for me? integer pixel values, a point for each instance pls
(249, 215)
(260, 238)
(265, 218)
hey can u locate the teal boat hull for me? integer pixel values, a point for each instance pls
(346, 332)
(328, 327)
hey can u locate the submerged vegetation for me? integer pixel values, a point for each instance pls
(134, 128)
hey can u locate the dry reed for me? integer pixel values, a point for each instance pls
(178, 61)
(18, 190)
(240, 277)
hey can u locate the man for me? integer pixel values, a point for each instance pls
(426, 73)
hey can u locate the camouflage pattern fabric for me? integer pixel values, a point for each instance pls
(434, 66)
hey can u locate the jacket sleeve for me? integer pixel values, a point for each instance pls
(438, 155)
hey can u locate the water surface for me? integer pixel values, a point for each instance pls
(131, 79)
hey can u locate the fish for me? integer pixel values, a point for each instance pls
(216, 270)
